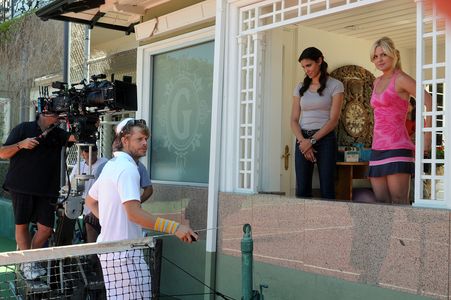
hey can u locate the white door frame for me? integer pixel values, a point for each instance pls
(429, 31)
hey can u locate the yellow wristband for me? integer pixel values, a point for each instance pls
(165, 225)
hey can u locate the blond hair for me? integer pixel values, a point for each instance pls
(388, 46)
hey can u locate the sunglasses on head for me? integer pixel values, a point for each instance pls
(132, 123)
(135, 122)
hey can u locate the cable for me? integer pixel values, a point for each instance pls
(215, 292)
(183, 295)
(196, 231)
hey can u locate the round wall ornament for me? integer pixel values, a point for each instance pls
(356, 119)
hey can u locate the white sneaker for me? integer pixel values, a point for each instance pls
(40, 269)
(31, 271)
(28, 271)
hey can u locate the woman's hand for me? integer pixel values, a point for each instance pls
(310, 154)
(304, 146)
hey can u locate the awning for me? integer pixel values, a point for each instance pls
(120, 15)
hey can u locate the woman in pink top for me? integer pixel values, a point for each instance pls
(392, 156)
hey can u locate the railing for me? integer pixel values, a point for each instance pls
(10, 9)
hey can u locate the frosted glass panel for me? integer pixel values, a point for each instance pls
(181, 114)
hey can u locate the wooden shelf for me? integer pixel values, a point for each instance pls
(346, 172)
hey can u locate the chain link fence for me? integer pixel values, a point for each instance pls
(10, 9)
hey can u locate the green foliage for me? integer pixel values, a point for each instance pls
(7, 27)
(440, 154)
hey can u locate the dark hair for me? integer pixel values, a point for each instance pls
(314, 54)
(86, 148)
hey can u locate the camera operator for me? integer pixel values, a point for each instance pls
(115, 199)
(91, 223)
(33, 180)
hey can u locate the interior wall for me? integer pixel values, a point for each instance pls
(338, 50)
(341, 50)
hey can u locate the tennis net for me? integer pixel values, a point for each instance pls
(121, 270)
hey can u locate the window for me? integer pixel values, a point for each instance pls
(433, 187)
(181, 92)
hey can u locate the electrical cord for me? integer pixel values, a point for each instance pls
(214, 292)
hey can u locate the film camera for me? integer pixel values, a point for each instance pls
(80, 105)
(83, 103)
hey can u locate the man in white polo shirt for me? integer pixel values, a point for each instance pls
(115, 199)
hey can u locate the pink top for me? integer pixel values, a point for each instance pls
(390, 113)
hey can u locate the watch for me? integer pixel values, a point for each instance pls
(312, 141)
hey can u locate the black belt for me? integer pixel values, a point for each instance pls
(308, 133)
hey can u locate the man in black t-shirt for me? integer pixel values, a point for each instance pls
(33, 178)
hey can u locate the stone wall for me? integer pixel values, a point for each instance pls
(29, 49)
(392, 247)
(184, 204)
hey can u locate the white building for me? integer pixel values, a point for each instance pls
(215, 80)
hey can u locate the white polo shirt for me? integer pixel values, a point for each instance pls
(117, 184)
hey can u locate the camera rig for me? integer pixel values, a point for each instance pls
(79, 106)
(82, 103)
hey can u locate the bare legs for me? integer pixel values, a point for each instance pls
(23, 237)
(392, 189)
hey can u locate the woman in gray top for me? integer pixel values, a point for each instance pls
(314, 115)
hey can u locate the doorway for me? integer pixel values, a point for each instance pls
(279, 80)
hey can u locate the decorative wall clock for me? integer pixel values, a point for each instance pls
(356, 119)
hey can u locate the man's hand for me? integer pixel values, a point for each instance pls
(28, 143)
(186, 234)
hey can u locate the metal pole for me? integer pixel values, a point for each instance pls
(87, 52)
(66, 78)
(247, 247)
(66, 61)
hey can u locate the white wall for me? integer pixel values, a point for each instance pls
(109, 42)
(342, 50)
(338, 50)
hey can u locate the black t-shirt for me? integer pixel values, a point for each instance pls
(35, 171)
